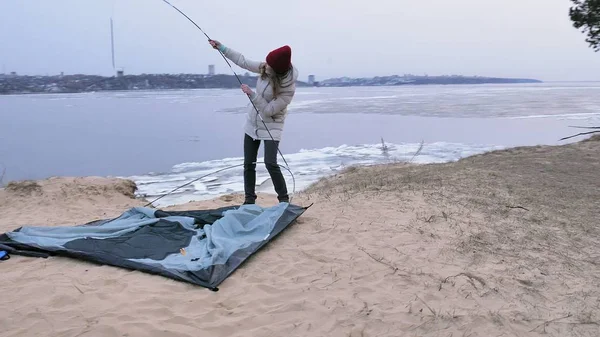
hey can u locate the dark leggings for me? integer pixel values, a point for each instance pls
(251, 147)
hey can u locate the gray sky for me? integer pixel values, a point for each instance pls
(329, 38)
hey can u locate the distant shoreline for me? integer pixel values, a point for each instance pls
(22, 85)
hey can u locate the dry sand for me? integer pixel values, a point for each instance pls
(501, 244)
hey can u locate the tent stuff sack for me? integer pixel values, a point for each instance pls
(202, 247)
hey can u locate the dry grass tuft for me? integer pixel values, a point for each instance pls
(116, 187)
(594, 138)
(127, 188)
(24, 188)
(2, 174)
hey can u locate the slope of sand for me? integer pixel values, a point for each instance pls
(501, 244)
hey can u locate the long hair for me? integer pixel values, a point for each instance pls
(274, 79)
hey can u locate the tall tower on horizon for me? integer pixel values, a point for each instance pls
(112, 43)
(211, 69)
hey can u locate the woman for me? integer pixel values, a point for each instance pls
(275, 90)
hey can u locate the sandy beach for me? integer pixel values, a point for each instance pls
(501, 244)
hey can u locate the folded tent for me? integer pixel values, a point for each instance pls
(202, 247)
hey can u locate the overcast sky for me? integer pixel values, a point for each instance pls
(329, 38)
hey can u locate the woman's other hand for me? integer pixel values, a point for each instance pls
(246, 89)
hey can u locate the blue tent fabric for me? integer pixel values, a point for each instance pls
(202, 247)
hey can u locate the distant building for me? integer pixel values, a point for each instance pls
(120, 73)
(311, 79)
(211, 69)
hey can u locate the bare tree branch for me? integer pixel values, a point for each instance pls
(418, 152)
(581, 134)
(586, 127)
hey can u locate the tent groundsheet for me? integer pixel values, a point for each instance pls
(202, 247)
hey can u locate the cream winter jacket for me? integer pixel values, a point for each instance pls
(272, 110)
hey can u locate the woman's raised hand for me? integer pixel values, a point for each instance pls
(214, 43)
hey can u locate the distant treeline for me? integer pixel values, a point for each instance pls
(88, 83)
(420, 80)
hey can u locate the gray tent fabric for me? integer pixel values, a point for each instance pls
(53, 238)
(238, 229)
(180, 245)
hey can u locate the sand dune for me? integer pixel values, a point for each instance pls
(501, 244)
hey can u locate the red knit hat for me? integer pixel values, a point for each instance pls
(280, 59)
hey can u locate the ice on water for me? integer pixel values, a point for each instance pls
(307, 166)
